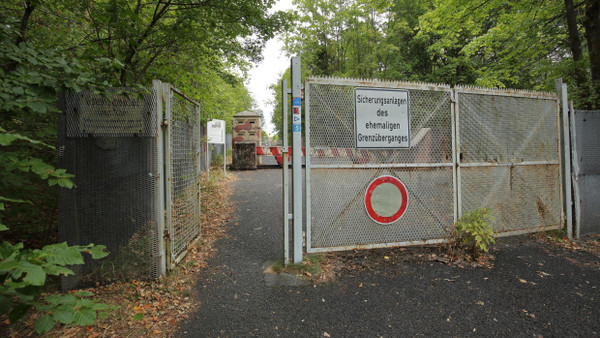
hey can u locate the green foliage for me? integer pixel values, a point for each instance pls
(493, 43)
(23, 273)
(474, 232)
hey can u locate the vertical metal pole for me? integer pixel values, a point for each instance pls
(167, 92)
(297, 156)
(307, 167)
(561, 88)
(160, 198)
(457, 154)
(453, 110)
(285, 173)
(575, 174)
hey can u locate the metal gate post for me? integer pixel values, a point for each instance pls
(285, 91)
(167, 95)
(561, 88)
(297, 156)
(160, 159)
(455, 153)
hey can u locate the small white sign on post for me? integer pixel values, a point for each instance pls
(382, 118)
(215, 133)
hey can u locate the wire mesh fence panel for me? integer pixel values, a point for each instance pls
(137, 180)
(509, 158)
(109, 144)
(339, 173)
(185, 169)
(586, 164)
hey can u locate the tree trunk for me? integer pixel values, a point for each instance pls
(574, 42)
(591, 23)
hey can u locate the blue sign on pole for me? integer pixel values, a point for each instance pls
(296, 128)
(296, 101)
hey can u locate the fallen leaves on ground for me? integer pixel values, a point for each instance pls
(153, 308)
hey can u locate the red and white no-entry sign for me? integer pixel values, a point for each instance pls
(386, 199)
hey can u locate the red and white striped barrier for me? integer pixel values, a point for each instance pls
(360, 155)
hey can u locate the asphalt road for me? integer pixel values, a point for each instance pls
(533, 289)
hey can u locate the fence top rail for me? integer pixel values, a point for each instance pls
(378, 83)
(175, 90)
(506, 92)
(429, 86)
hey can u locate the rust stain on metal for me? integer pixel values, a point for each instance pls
(542, 210)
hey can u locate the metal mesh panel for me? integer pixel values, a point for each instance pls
(586, 142)
(340, 173)
(339, 219)
(502, 128)
(523, 198)
(113, 202)
(185, 189)
(509, 158)
(332, 126)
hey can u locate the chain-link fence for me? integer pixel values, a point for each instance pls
(184, 163)
(469, 148)
(509, 158)
(339, 173)
(121, 147)
(585, 141)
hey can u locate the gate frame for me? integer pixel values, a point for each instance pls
(455, 92)
(164, 93)
(376, 84)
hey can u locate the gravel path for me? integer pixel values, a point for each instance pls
(533, 289)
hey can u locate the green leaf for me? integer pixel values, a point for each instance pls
(56, 270)
(37, 107)
(62, 254)
(138, 316)
(9, 265)
(97, 251)
(44, 324)
(64, 314)
(84, 316)
(84, 294)
(34, 274)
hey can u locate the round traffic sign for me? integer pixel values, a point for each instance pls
(386, 199)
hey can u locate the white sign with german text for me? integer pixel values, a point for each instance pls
(216, 131)
(382, 118)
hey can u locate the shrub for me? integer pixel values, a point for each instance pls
(473, 232)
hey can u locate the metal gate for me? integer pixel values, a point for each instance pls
(469, 148)
(508, 158)
(136, 163)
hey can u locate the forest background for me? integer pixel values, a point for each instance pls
(518, 44)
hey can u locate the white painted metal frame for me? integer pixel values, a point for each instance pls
(456, 165)
(376, 84)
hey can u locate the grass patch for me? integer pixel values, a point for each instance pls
(311, 266)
